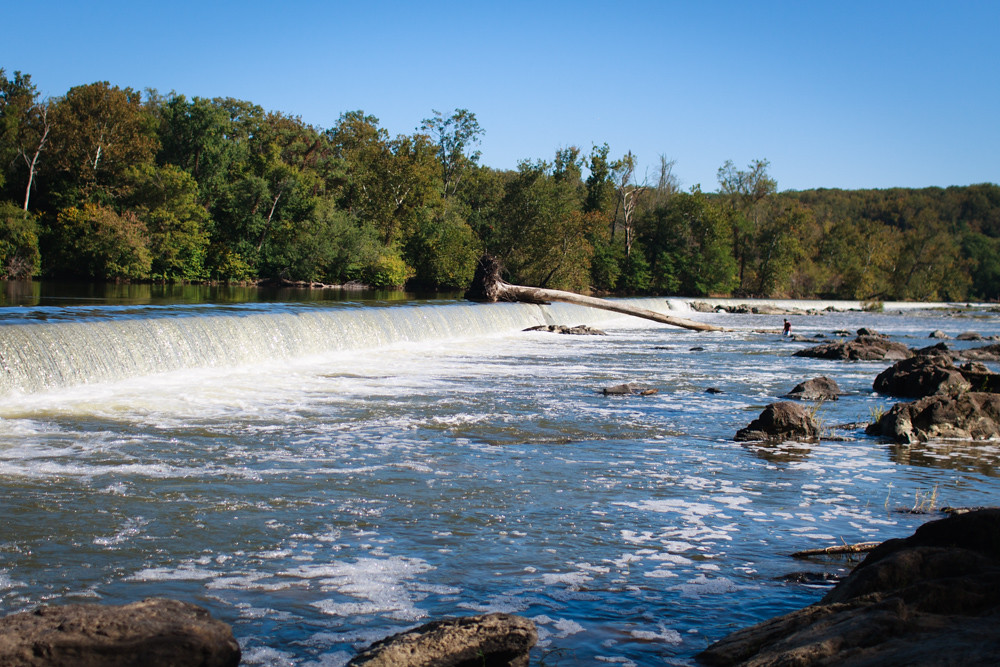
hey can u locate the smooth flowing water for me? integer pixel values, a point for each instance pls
(320, 475)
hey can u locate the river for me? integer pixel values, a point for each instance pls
(321, 472)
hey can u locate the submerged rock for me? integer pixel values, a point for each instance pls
(497, 640)
(629, 389)
(862, 348)
(967, 416)
(151, 633)
(817, 389)
(929, 599)
(780, 421)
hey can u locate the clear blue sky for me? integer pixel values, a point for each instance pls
(837, 93)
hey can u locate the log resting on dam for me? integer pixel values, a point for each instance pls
(488, 286)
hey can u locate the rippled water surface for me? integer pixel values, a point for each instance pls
(319, 485)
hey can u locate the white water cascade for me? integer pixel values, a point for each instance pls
(40, 355)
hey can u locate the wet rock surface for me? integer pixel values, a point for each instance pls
(579, 330)
(817, 389)
(985, 353)
(921, 375)
(780, 421)
(863, 348)
(493, 640)
(930, 599)
(966, 416)
(629, 389)
(151, 633)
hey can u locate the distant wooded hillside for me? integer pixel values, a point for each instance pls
(105, 183)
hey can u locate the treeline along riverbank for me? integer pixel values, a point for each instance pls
(106, 183)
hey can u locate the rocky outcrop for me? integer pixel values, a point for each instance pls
(780, 421)
(579, 330)
(937, 333)
(969, 335)
(985, 353)
(817, 389)
(495, 640)
(862, 348)
(966, 416)
(921, 375)
(930, 599)
(151, 633)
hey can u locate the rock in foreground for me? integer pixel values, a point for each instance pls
(780, 421)
(151, 633)
(494, 640)
(930, 599)
(967, 416)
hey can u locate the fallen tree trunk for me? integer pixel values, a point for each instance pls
(488, 286)
(859, 548)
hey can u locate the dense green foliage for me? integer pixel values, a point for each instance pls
(105, 183)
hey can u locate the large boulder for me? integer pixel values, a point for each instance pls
(780, 421)
(921, 375)
(862, 348)
(151, 633)
(930, 599)
(817, 389)
(966, 416)
(495, 640)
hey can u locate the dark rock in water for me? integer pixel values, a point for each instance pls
(985, 353)
(629, 389)
(496, 640)
(780, 421)
(937, 333)
(702, 307)
(579, 330)
(865, 331)
(969, 335)
(929, 599)
(937, 349)
(922, 375)
(817, 389)
(696, 349)
(862, 348)
(713, 390)
(151, 633)
(967, 416)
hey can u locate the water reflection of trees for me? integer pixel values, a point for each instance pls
(964, 456)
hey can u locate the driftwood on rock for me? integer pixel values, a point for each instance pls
(488, 286)
(929, 599)
(860, 547)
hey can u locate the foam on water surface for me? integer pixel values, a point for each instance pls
(324, 500)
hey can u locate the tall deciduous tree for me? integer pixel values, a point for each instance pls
(455, 137)
(24, 129)
(98, 132)
(747, 192)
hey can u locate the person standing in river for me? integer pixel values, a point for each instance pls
(787, 330)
